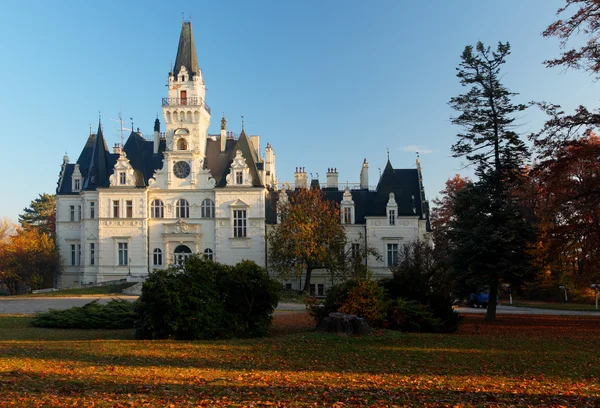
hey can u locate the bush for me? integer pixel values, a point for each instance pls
(206, 300)
(365, 299)
(411, 316)
(116, 314)
(250, 296)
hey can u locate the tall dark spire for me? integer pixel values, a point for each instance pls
(98, 174)
(186, 52)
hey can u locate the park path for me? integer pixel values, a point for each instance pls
(29, 305)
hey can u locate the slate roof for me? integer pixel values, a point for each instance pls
(186, 51)
(97, 164)
(404, 183)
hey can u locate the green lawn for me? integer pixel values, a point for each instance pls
(553, 305)
(517, 361)
(96, 290)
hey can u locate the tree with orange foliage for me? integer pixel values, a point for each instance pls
(443, 210)
(309, 236)
(29, 259)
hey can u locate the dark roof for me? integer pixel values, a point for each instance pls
(404, 183)
(95, 164)
(219, 163)
(140, 153)
(186, 51)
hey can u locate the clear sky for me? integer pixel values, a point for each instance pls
(327, 83)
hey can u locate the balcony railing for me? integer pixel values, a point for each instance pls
(192, 101)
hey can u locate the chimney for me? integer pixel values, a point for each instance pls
(156, 135)
(256, 143)
(300, 178)
(332, 178)
(223, 137)
(364, 175)
(270, 166)
(117, 148)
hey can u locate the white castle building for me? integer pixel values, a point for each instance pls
(151, 203)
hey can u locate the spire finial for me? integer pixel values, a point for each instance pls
(131, 119)
(90, 128)
(99, 117)
(182, 18)
(388, 153)
(242, 122)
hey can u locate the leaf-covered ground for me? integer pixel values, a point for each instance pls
(517, 361)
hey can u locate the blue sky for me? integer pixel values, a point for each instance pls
(327, 83)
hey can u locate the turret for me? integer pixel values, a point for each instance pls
(364, 175)
(270, 176)
(332, 178)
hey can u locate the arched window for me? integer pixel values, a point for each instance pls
(182, 210)
(157, 209)
(157, 257)
(208, 208)
(181, 144)
(181, 253)
(209, 254)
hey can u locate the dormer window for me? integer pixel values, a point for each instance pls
(392, 217)
(77, 185)
(347, 215)
(122, 178)
(239, 178)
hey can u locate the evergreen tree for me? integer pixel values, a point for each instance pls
(41, 215)
(490, 235)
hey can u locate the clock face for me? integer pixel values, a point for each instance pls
(181, 169)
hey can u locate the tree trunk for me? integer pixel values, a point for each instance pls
(490, 314)
(306, 289)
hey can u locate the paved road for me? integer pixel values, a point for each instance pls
(21, 305)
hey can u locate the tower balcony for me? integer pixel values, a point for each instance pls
(192, 101)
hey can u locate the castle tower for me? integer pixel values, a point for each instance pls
(187, 116)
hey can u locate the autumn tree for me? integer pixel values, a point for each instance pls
(443, 211)
(7, 228)
(41, 214)
(28, 259)
(490, 238)
(308, 236)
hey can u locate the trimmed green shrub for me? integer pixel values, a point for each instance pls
(206, 300)
(411, 316)
(116, 314)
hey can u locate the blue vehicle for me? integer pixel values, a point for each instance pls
(479, 299)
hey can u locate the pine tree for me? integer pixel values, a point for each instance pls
(41, 214)
(490, 235)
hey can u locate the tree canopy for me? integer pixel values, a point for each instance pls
(308, 236)
(41, 214)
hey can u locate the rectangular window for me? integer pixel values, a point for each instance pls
(392, 254)
(123, 254)
(312, 289)
(239, 223)
(392, 217)
(73, 255)
(157, 257)
(129, 208)
(78, 213)
(320, 289)
(355, 251)
(92, 253)
(92, 209)
(115, 208)
(347, 215)
(288, 286)
(77, 181)
(71, 213)
(239, 179)
(122, 178)
(78, 254)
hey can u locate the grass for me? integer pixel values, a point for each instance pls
(554, 305)
(107, 290)
(517, 361)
